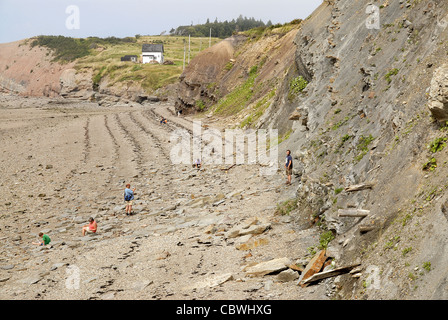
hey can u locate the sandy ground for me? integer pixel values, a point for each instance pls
(63, 163)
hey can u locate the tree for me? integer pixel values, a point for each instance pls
(220, 29)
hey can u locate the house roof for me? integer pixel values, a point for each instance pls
(152, 47)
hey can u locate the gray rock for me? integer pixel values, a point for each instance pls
(90, 280)
(57, 265)
(211, 282)
(106, 228)
(267, 267)
(217, 203)
(438, 95)
(287, 275)
(142, 284)
(7, 267)
(31, 280)
(109, 295)
(119, 208)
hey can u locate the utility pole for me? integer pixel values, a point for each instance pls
(189, 49)
(185, 48)
(210, 39)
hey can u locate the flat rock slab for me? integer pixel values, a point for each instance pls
(58, 265)
(211, 282)
(245, 230)
(140, 285)
(7, 267)
(31, 280)
(287, 275)
(313, 267)
(267, 267)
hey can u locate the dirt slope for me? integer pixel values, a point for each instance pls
(217, 73)
(29, 71)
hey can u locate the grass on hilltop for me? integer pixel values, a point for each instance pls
(103, 56)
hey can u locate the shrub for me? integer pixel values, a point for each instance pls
(296, 86)
(253, 70)
(200, 105)
(340, 123)
(97, 78)
(68, 49)
(285, 207)
(430, 165)
(437, 145)
(229, 66)
(363, 146)
(427, 266)
(325, 239)
(406, 251)
(391, 73)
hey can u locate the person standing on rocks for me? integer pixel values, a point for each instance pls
(197, 163)
(288, 166)
(90, 228)
(45, 239)
(128, 198)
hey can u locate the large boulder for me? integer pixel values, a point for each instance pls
(77, 85)
(438, 95)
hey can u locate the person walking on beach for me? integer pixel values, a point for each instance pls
(197, 163)
(128, 198)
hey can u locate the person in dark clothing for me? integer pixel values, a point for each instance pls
(288, 166)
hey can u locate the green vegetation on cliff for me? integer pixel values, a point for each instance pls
(67, 49)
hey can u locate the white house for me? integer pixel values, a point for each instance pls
(152, 52)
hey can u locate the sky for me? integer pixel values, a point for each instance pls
(21, 19)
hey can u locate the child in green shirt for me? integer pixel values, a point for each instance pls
(45, 239)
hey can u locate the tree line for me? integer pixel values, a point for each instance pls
(220, 29)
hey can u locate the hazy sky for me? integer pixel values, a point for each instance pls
(20, 19)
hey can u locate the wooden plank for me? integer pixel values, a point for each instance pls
(359, 187)
(354, 213)
(330, 273)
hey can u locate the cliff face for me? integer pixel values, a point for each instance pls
(368, 121)
(29, 71)
(372, 115)
(241, 77)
